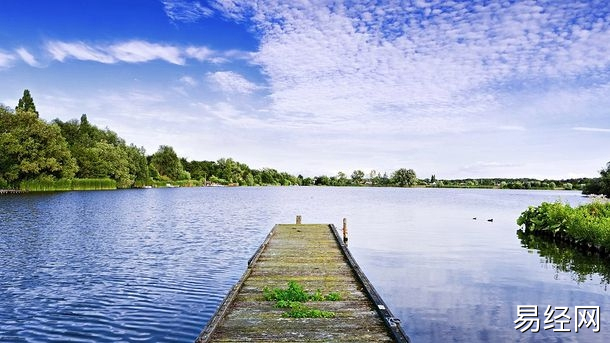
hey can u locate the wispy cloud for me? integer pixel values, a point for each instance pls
(134, 51)
(189, 81)
(591, 129)
(27, 57)
(232, 82)
(185, 10)
(61, 51)
(6, 60)
(140, 51)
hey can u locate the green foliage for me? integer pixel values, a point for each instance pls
(67, 185)
(599, 185)
(32, 149)
(358, 177)
(585, 225)
(167, 163)
(103, 154)
(294, 292)
(26, 103)
(404, 177)
(293, 298)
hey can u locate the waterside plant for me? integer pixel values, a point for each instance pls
(67, 185)
(586, 226)
(293, 298)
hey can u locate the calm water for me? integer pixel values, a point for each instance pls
(152, 265)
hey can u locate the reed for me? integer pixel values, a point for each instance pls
(67, 185)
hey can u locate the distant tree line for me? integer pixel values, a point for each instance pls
(511, 183)
(33, 150)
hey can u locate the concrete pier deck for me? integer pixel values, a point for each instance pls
(315, 256)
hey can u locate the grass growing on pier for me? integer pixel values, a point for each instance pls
(586, 225)
(294, 298)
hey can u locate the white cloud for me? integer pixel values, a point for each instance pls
(189, 81)
(232, 82)
(6, 60)
(200, 53)
(418, 68)
(185, 11)
(130, 52)
(134, 51)
(591, 129)
(61, 51)
(140, 51)
(27, 57)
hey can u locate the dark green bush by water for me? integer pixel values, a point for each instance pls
(587, 225)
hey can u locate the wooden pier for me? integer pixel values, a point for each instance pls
(315, 256)
(11, 191)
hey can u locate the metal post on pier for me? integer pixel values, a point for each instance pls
(298, 220)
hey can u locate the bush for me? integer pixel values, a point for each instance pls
(585, 225)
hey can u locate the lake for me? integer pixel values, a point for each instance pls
(152, 265)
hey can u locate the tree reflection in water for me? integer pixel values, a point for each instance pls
(568, 259)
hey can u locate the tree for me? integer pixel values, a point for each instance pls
(605, 180)
(600, 185)
(167, 163)
(26, 103)
(358, 177)
(32, 149)
(404, 177)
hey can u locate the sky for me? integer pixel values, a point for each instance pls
(457, 89)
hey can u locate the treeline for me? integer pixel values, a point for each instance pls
(41, 155)
(37, 155)
(514, 183)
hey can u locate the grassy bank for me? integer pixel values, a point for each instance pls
(67, 185)
(586, 226)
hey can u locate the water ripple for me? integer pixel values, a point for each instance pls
(153, 265)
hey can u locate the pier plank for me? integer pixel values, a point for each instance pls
(315, 257)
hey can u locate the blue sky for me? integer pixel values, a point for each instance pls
(452, 88)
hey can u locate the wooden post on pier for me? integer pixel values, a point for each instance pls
(298, 220)
(344, 230)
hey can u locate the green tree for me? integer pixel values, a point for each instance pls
(26, 103)
(167, 163)
(358, 177)
(322, 181)
(138, 165)
(605, 180)
(600, 185)
(404, 177)
(32, 149)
